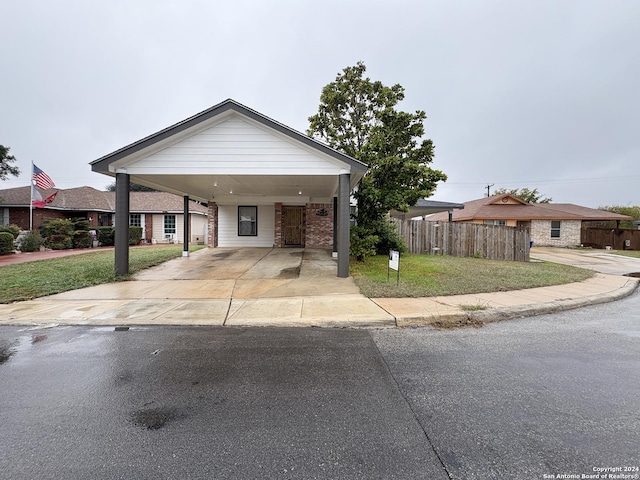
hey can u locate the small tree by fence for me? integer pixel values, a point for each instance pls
(460, 239)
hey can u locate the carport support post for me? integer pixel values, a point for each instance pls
(185, 235)
(343, 225)
(121, 240)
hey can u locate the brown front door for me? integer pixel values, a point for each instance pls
(293, 226)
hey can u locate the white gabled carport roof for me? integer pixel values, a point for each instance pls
(263, 159)
(256, 160)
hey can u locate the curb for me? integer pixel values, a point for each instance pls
(499, 314)
(478, 318)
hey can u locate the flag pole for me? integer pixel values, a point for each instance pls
(31, 200)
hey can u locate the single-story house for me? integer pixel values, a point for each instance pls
(266, 184)
(160, 214)
(550, 224)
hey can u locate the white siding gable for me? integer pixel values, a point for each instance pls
(237, 146)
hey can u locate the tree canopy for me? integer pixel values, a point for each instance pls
(358, 117)
(632, 211)
(531, 196)
(133, 187)
(6, 160)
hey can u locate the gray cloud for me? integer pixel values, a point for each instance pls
(519, 94)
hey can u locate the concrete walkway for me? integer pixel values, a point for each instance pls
(286, 287)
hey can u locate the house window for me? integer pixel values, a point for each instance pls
(169, 225)
(135, 220)
(500, 223)
(4, 216)
(555, 228)
(104, 220)
(247, 221)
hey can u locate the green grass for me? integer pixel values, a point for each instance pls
(24, 281)
(435, 275)
(627, 253)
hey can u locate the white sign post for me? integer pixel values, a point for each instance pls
(394, 264)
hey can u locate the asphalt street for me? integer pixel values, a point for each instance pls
(523, 399)
(550, 395)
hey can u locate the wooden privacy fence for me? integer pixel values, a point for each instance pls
(618, 239)
(460, 239)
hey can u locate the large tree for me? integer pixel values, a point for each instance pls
(531, 196)
(6, 160)
(358, 117)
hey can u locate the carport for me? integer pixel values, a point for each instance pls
(251, 171)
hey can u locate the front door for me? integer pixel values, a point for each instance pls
(293, 225)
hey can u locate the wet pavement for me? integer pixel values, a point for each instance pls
(552, 395)
(204, 402)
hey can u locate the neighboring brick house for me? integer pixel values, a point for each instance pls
(160, 214)
(550, 224)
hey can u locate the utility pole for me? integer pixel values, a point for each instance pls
(488, 187)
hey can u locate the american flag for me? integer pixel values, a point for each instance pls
(42, 180)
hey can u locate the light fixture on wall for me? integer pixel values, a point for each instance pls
(215, 184)
(299, 192)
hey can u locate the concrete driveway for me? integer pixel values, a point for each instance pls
(216, 286)
(598, 260)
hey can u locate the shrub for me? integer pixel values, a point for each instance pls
(56, 226)
(6, 243)
(12, 229)
(388, 239)
(81, 224)
(135, 235)
(106, 236)
(82, 239)
(31, 242)
(362, 243)
(60, 242)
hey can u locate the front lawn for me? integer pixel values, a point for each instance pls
(24, 281)
(434, 275)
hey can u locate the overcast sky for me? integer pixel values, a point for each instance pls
(530, 94)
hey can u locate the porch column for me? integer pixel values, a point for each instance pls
(343, 224)
(121, 240)
(185, 230)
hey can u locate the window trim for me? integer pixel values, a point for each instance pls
(164, 225)
(253, 222)
(556, 230)
(138, 222)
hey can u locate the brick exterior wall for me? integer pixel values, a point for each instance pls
(570, 231)
(212, 239)
(277, 231)
(319, 228)
(148, 227)
(20, 216)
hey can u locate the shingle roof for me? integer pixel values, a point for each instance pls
(90, 199)
(492, 208)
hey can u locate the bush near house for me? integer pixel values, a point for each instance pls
(135, 235)
(61, 234)
(106, 236)
(12, 229)
(31, 242)
(6, 243)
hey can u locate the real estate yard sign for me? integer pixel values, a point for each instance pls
(394, 264)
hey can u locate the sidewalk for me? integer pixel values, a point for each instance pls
(287, 287)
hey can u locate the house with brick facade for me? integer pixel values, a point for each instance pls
(265, 184)
(160, 214)
(550, 224)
